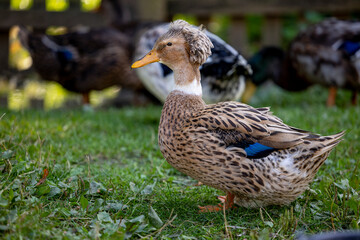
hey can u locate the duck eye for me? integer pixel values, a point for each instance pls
(169, 44)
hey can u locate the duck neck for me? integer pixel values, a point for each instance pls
(187, 79)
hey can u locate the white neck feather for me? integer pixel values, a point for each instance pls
(193, 88)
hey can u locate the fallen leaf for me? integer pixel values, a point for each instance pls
(42, 190)
(344, 184)
(268, 223)
(96, 188)
(104, 217)
(154, 218)
(84, 202)
(148, 189)
(43, 179)
(115, 206)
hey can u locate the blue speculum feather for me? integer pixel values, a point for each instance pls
(258, 150)
(65, 55)
(350, 47)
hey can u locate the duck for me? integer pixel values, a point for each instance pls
(247, 152)
(326, 53)
(223, 74)
(272, 64)
(82, 60)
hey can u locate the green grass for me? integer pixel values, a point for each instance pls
(108, 180)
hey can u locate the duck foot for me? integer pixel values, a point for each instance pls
(198, 184)
(227, 202)
(354, 98)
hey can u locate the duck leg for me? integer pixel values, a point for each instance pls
(227, 200)
(86, 103)
(86, 98)
(354, 98)
(332, 96)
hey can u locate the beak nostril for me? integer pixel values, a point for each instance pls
(148, 58)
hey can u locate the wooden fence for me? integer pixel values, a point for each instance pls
(164, 10)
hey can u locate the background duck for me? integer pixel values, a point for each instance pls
(272, 63)
(327, 53)
(82, 61)
(247, 152)
(223, 74)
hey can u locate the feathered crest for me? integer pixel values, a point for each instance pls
(200, 45)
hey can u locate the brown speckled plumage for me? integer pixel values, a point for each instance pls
(200, 141)
(207, 142)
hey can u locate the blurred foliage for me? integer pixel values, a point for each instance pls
(219, 24)
(49, 95)
(19, 57)
(313, 17)
(54, 5)
(254, 24)
(56, 30)
(187, 17)
(20, 4)
(291, 25)
(88, 5)
(290, 29)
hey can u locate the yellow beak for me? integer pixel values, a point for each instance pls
(151, 57)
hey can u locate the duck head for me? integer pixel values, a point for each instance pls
(183, 48)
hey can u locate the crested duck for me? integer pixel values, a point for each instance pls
(247, 152)
(223, 74)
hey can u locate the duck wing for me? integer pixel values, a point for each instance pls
(255, 132)
(224, 61)
(50, 59)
